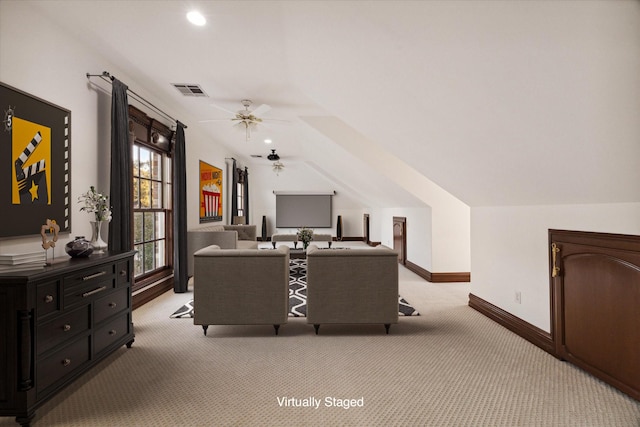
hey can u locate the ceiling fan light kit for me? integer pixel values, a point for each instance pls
(277, 167)
(246, 119)
(277, 164)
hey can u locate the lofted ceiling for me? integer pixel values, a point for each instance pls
(499, 103)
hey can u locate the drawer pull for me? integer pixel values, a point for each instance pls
(66, 362)
(93, 276)
(123, 273)
(66, 328)
(48, 298)
(112, 305)
(112, 332)
(95, 291)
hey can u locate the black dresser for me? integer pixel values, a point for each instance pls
(58, 322)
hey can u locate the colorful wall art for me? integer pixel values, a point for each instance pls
(210, 193)
(35, 163)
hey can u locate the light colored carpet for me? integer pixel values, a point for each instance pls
(451, 366)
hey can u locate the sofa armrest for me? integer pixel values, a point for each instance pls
(245, 232)
(198, 239)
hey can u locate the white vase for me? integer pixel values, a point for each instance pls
(99, 245)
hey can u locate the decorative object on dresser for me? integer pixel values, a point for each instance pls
(79, 247)
(57, 323)
(53, 228)
(97, 204)
(11, 263)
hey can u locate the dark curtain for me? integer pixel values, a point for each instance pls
(180, 277)
(246, 195)
(120, 228)
(234, 191)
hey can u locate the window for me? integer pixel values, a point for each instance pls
(151, 209)
(152, 215)
(240, 198)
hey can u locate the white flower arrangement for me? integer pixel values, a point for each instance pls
(96, 203)
(305, 235)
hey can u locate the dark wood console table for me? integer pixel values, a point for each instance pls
(56, 323)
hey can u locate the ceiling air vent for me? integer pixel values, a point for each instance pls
(188, 89)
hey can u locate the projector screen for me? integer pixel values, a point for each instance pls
(303, 210)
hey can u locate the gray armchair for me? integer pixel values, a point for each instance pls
(352, 286)
(241, 287)
(225, 236)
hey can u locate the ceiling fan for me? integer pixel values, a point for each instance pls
(246, 119)
(277, 164)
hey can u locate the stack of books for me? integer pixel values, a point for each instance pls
(10, 263)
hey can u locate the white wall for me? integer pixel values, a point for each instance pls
(418, 225)
(299, 177)
(47, 64)
(50, 64)
(509, 250)
(450, 216)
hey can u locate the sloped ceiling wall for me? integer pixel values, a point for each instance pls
(499, 103)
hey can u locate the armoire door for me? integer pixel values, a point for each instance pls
(596, 300)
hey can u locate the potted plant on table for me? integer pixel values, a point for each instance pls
(305, 235)
(97, 204)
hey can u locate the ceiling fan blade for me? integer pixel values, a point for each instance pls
(233, 113)
(261, 110)
(277, 120)
(213, 120)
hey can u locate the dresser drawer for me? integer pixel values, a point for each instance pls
(110, 305)
(62, 363)
(62, 328)
(111, 332)
(48, 298)
(89, 276)
(87, 292)
(123, 273)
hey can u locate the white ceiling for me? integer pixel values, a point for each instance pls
(499, 103)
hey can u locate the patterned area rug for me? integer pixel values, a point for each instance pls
(298, 295)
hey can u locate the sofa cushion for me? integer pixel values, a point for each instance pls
(211, 228)
(243, 235)
(246, 244)
(245, 232)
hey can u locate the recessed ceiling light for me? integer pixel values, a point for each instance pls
(268, 141)
(196, 18)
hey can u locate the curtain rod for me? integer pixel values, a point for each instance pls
(109, 78)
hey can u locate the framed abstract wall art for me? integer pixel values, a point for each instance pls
(210, 193)
(35, 163)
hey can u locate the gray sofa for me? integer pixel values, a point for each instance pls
(224, 236)
(351, 286)
(241, 287)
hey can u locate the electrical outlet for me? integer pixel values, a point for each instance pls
(518, 297)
